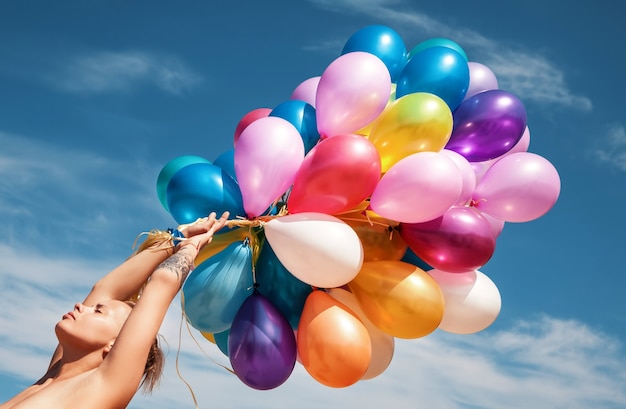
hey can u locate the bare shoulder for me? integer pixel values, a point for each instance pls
(85, 391)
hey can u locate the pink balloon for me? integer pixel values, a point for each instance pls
(335, 176)
(467, 173)
(418, 188)
(481, 79)
(480, 168)
(352, 91)
(267, 156)
(520, 187)
(460, 240)
(497, 225)
(306, 91)
(248, 119)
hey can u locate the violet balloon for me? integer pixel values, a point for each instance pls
(261, 345)
(481, 79)
(520, 187)
(487, 125)
(458, 241)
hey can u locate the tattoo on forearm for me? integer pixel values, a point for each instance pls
(180, 264)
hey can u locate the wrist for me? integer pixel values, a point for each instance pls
(176, 236)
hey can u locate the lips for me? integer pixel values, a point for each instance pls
(69, 315)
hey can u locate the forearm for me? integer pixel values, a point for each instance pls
(126, 279)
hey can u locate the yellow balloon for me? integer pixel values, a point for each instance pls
(417, 122)
(379, 240)
(208, 336)
(399, 298)
(220, 242)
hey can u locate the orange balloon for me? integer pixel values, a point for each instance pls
(399, 298)
(379, 240)
(333, 344)
(383, 344)
(220, 242)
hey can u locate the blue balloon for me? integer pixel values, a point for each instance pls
(226, 161)
(199, 189)
(169, 170)
(438, 70)
(301, 115)
(437, 42)
(216, 289)
(281, 287)
(384, 43)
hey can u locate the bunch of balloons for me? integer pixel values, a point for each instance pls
(364, 207)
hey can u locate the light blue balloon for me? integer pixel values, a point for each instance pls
(384, 43)
(226, 161)
(221, 340)
(199, 189)
(437, 70)
(216, 289)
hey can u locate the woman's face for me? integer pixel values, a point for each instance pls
(92, 327)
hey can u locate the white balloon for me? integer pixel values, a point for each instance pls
(317, 248)
(472, 301)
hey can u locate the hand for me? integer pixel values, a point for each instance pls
(200, 232)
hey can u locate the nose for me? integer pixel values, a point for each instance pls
(79, 307)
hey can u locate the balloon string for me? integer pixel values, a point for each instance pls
(371, 222)
(180, 335)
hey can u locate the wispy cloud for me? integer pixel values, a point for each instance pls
(114, 72)
(543, 363)
(613, 148)
(526, 73)
(48, 191)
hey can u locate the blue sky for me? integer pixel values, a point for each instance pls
(97, 96)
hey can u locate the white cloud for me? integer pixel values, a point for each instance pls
(51, 194)
(613, 148)
(526, 73)
(114, 72)
(541, 363)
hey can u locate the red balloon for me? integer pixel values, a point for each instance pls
(458, 241)
(335, 176)
(248, 119)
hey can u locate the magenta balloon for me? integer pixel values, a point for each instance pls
(335, 176)
(519, 187)
(459, 241)
(487, 125)
(481, 79)
(306, 91)
(261, 344)
(353, 90)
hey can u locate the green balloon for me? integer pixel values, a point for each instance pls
(170, 170)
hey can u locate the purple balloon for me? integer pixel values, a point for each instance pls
(487, 125)
(460, 240)
(261, 345)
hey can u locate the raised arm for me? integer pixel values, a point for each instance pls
(122, 369)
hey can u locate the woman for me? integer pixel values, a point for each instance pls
(107, 346)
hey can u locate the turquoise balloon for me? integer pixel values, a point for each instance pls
(221, 340)
(437, 70)
(276, 283)
(216, 289)
(169, 170)
(384, 43)
(199, 189)
(437, 42)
